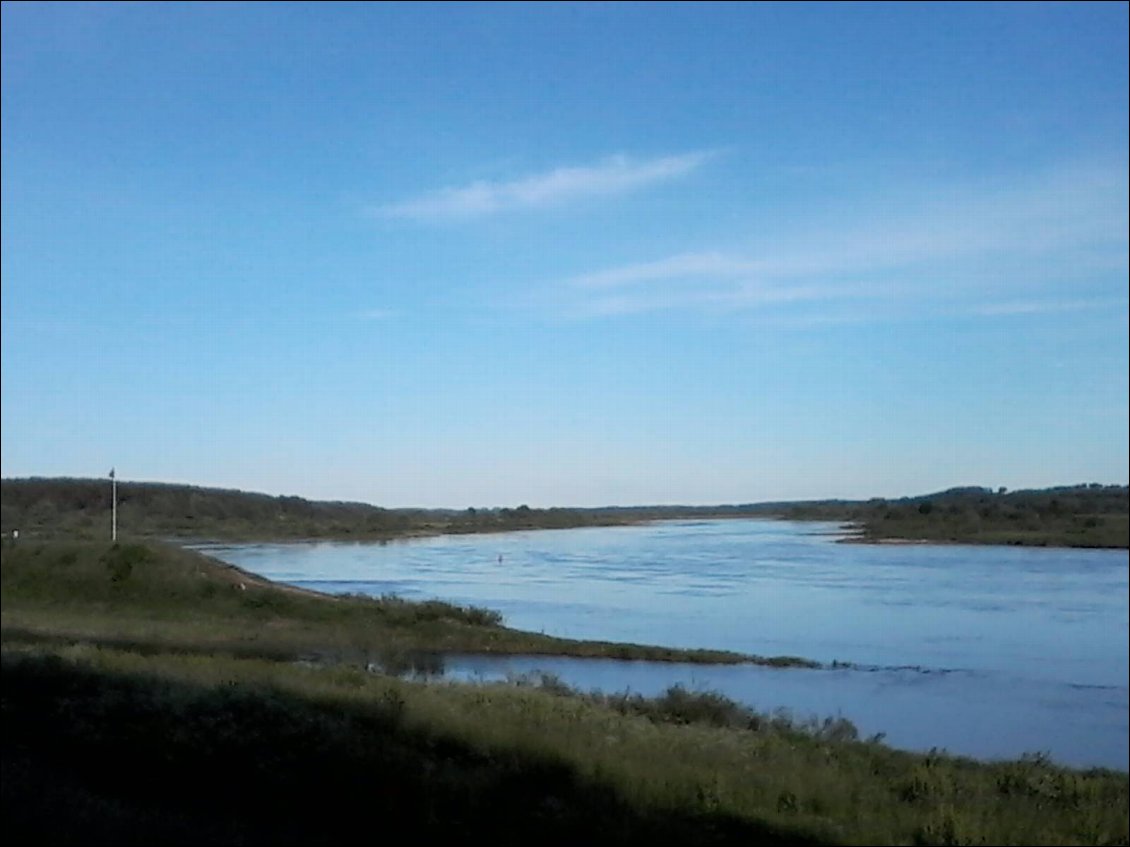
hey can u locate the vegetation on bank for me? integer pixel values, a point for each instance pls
(80, 508)
(155, 596)
(1071, 516)
(243, 751)
(181, 671)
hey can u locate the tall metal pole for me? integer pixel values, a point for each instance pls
(113, 506)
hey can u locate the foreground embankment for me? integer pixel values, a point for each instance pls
(180, 673)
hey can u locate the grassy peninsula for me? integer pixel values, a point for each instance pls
(181, 671)
(155, 596)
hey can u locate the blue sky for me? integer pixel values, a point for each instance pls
(577, 254)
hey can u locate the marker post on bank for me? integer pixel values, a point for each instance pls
(113, 506)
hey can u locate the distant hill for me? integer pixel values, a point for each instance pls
(1089, 515)
(81, 508)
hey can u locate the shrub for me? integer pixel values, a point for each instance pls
(121, 559)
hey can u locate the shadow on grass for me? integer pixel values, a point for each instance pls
(99, 758)
(150, 646)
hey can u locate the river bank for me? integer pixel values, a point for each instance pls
(159, 660)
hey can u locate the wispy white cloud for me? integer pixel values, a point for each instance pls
(615, 175)
(684, 265)
(983, 249)
(1043, 307)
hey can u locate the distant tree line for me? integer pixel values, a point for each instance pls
(81, 508)
(1090, 515)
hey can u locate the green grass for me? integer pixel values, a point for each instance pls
(148, 698)
(157, 596)
(226, 750)
(1105, 531)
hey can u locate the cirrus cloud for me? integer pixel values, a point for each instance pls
(614, 175)
(1047, 242)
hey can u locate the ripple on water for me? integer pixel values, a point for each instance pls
(1026, 647)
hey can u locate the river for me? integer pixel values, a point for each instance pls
(990, 652)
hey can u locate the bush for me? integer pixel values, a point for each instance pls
(121, 559)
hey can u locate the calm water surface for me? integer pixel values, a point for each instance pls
(984, 651)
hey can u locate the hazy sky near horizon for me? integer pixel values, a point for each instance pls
(566, 254)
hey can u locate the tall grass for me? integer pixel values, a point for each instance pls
(183, 600)
(254, 751)
(151, 695)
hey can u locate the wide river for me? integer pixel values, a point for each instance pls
(990, 652)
